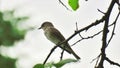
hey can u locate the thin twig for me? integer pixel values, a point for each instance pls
(97, 61)
(101, 11)
(50, 53)
(83, 38)
(64, 5)
(77, 30)
(96, 58)
(113, 28)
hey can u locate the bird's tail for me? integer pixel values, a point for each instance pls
(75, 55)
(69, 50)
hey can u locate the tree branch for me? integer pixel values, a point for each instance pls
(83, 38)
(112, 62)
(105, 32)
(85, 28)
(104, 38)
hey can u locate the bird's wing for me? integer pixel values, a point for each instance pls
(59, 38)
(58, 35)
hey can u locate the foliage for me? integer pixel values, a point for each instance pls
(9, 33)
(57, 65)
(6, 62)
(74, 4)
(39, 66)
(63, 62)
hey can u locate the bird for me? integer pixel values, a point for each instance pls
(55, 36)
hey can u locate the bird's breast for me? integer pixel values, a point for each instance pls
(50, 35)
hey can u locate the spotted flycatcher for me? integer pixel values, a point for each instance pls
(56, 37)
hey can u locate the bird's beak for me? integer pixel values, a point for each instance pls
(39, 27)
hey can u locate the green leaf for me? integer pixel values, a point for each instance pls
(39, 66)
(57, 65)
(63, 62)
(74, 4)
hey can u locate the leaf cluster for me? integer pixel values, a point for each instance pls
(9, 32)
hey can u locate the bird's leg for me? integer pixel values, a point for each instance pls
(62, 54)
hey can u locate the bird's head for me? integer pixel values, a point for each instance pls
(46, 25)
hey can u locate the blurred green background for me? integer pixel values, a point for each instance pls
(9, 33)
